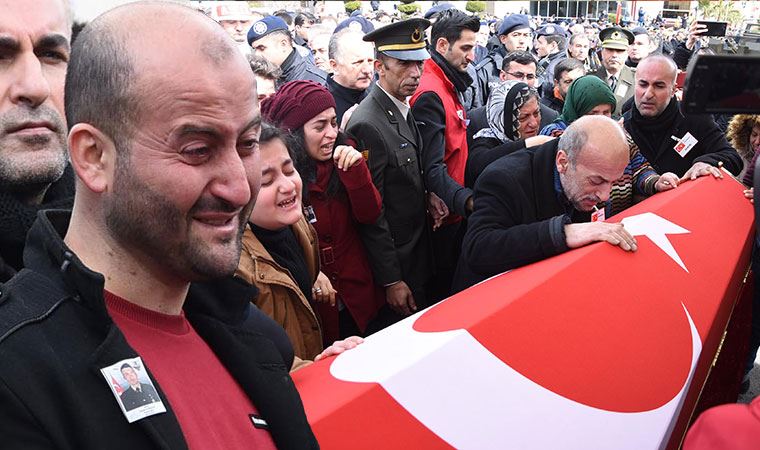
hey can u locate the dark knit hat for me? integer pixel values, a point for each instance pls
(296, 103)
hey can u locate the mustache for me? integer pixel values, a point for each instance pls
(213, 205)
(42, 113)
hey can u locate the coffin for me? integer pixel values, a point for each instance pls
(595, 348)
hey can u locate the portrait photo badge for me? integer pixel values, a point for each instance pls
(133, 389)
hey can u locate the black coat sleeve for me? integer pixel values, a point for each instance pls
(431, 118)
(19, 429)
(485, 151)
(499, 235)
(377, 237)
(682, 55)
(717, 148)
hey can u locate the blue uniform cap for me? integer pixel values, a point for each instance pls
(513, 22)
(356, 22)
(437, 9)
(264, 26)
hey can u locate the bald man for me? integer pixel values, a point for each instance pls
(537, 203)
(139, 272)
(688, 145)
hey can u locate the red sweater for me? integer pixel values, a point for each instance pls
(212, 409)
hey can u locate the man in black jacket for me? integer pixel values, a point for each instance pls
(167, 173)
(34, 174)
(536, 203)
(270, 39)
(351, 60)
(687, 145)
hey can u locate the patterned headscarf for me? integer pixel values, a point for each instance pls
(503, 109)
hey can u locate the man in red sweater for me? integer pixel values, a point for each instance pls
(164, 126)
(438, 111)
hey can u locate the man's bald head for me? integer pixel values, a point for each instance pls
(597, 134)
(593, 152)
(663, 65)
(655, 85)
(119, 56)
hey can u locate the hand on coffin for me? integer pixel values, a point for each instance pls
(667, 181)
(346, 157)
(400, 298)
(323, 290)
(700, 169)
(339, 347)
(580, 234)
(750, 194)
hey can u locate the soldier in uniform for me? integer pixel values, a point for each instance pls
(614, 72)
(398, 243)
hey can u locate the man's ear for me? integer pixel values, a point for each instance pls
(93, 156)
(379, 66)
(442, 45)
(562, 161)
(502, 75)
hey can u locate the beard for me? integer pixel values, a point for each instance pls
(36, 160)
(146, 222)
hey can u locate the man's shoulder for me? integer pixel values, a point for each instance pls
(601, 72)
(316, 73)
(507, 168)
(26, 299)
(626, 74)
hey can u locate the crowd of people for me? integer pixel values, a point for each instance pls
(271, 191)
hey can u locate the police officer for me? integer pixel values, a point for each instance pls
(270, 39)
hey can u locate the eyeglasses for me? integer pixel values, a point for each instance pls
(522, 76)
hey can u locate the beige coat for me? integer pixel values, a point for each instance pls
(279, 295)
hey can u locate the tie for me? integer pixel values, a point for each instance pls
(613, 82)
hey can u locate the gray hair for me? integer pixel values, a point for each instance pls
(337, 40)
(572, 142)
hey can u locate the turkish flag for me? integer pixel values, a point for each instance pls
(609, 341)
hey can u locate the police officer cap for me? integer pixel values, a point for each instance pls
(264, 26)
(550, 30)
(441, 7)
(403, 40)
(513, 22)
(357, 23)
(616, 38)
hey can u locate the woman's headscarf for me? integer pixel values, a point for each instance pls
(503, 109)
(296, 103)
(585, 94)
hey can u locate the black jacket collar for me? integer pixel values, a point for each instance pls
(460, 80)
(47, 253)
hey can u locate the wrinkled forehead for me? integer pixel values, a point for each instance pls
(34, 19)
